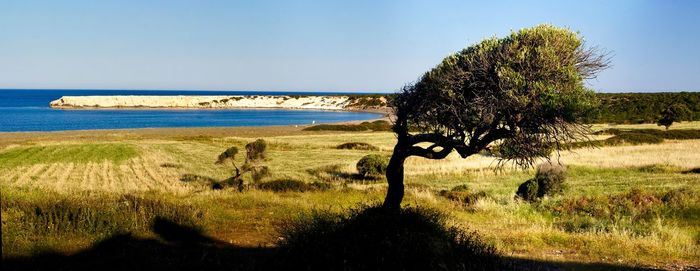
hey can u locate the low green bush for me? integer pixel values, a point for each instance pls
(357, 146)
(680, 197)
(377, 126)
(463, 195)
(633, 138)
(372, 238)
(528, 190)
(372, 165)
(658, 168)
(550, 179)
(292, 185)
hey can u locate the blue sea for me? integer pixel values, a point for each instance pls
(28, 110)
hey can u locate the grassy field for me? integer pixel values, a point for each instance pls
(64, 191)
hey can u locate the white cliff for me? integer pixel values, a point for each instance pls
(200, 102)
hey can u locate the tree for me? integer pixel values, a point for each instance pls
(524, 93)
(256, 152)
(673, 113)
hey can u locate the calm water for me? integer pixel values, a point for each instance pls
(28, 110)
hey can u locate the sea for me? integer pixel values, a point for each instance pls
(24, 110)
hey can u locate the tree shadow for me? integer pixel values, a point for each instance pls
(179, 247)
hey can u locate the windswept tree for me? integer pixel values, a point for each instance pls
(524, 93)
(673, 113)
(256, 152)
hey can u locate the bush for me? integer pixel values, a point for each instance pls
(291, 185)
(357, 146)
(528, 190)
(372, 165)
(371, 238)
(550, 179)
(463, 195)
(256, 150)
(634, 138)
(377, 126)
(681, 197)
(693, 171)
(336, 127)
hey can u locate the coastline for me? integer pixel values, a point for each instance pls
(334, 103)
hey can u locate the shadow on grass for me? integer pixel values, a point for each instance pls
(182, 248)
(335, 172)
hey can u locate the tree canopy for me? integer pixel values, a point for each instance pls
(524, 92)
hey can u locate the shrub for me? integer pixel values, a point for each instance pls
(372, 165)
(693, 171)
(256, 150)
(291, 185)
(634, 138)
(550, 179)
(336, 127)
(658, 168)
(463, 195)
(378, 125)
(528, 190)
(357, 146)
(371, 238)
(681, 197)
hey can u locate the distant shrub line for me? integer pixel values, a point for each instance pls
(377, 126)
(634, 108)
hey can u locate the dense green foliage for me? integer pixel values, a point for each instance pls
(528, 190)
(372, 165)
(643, 107)
(371, 238)
(548, 181)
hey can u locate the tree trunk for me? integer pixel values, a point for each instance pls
(394, 176)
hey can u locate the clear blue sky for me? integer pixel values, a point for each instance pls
(309, 45)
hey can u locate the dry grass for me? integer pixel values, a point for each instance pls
(164, 155)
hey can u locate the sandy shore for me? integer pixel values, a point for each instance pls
(204, 102)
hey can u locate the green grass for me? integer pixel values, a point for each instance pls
(75, 153)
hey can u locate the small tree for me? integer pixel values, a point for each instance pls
(256, 152)
(524, 93)
(673, 113)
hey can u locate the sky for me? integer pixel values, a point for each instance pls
(314, 45)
